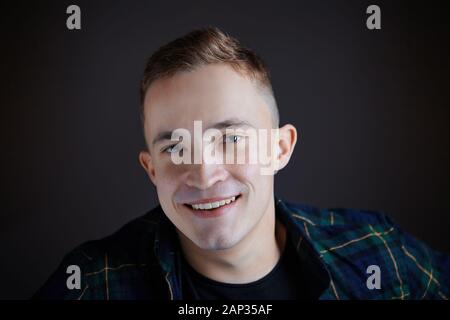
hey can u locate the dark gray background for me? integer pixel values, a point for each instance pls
(371, 108)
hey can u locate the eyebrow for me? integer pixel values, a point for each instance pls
(233, 122)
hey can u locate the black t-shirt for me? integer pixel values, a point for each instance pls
(286, 281)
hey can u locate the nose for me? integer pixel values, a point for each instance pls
(203, 176)
(209, 170)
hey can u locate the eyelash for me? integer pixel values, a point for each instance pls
(165, 150)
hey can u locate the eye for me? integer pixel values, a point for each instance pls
(231, 138)
(172, 148)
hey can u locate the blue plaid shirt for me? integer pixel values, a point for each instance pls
(142, 259)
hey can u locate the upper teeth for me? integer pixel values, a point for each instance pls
(212, 205)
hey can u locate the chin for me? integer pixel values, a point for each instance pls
(215, 242)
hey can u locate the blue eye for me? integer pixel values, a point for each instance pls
(231, 138)
(173, 148)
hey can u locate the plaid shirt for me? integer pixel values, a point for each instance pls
(142, 259)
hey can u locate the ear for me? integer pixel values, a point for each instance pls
(145, 159)
(286, 145)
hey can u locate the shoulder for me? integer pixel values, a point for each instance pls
(338, 217)
(350, 241)
(336, 233)
(131, 243)
(106, 265)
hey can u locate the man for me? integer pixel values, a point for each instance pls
(219, 232)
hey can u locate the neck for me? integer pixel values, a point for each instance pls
(249, 260)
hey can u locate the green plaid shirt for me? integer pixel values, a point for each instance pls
(142, 259)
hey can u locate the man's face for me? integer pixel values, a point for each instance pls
(213, 94)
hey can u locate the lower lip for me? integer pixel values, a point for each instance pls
(213, 213)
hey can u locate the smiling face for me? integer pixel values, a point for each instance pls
(220, 97)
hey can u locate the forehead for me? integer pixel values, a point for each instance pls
(210, 93)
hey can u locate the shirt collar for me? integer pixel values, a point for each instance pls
(319, 277)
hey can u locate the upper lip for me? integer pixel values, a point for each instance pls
(208, 200)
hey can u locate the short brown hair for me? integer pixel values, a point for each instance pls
(201, 47)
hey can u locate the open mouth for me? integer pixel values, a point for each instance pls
(211, 207)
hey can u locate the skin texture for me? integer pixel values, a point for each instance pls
(244, 244)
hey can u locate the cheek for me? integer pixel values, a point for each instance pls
(248, 174)
(166, 169)
(166, 177)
